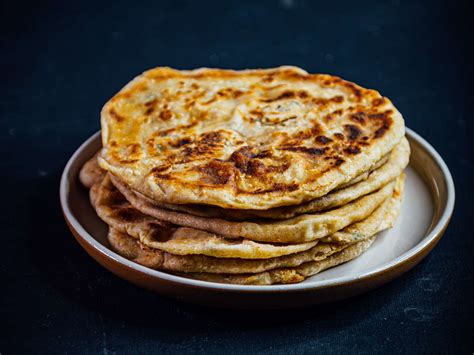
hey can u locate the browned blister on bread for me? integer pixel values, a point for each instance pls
(253, 139)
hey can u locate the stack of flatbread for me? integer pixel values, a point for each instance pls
(247, 177)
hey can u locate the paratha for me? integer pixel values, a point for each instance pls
(251, 139)
(112, 207)
(311, 268)
(300, 229)
(364, 175)
(91, 173)
(371, 181)
(145, 254)
(287, 275)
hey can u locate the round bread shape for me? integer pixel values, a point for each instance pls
(252, 139)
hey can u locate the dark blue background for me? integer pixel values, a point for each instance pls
(60, 63)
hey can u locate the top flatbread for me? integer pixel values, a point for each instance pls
(253, 139)
(362, 185)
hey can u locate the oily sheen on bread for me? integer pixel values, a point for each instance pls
(252, 139)
(375, 179)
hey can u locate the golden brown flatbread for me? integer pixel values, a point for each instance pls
(366, 183)
(143, 252)
(116, 211)
(91, 173)
(252, 139)
(301, 229)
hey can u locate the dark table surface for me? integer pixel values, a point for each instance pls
(63, 60)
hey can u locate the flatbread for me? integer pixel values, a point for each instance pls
(311, 268)
(359, 231)
(300, 229)
(288, 275)
(112, 207)
(139, 252)
(91, 173)
(364, 175)
(380, 175)
(145, 255)
(252, 139)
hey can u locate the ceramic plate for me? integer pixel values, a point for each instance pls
(427, 208)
